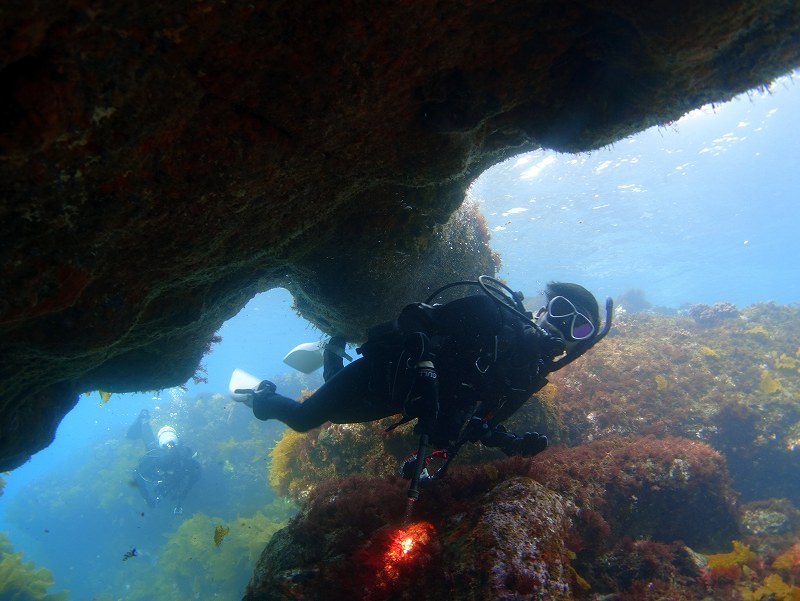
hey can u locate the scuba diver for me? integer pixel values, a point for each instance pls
(168, 469)
(461, 368)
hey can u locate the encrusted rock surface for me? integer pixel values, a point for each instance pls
(164, 162)
(516, 529)
(505, 544)
(729, 378)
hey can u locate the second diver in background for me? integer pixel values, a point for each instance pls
(167, 470)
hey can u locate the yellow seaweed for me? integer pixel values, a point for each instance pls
(740, 555)
(285, 457)
(772, 588)
(788, 559)
(784, 361)
(548, 393)
(579, 580)
(104, 396)
(661, 383)
(758, 330)
(187, 568)
(219, 533)
(491, 471)
(23, 580)
(769, 384)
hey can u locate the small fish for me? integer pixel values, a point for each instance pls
(128, 554)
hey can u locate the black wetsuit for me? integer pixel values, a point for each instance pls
(171, 472)
(488, 361)
(163, 473)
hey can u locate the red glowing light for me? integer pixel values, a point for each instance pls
(393, 557)
(403, 544)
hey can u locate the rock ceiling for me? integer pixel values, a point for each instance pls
(164, 162)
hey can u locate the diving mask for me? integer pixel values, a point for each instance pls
(564, 315)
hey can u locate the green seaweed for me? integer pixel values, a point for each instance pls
(22, 581)
(193, 565)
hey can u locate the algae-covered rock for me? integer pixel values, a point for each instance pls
(512, 546)
(511, 529)
(728, 378)
(351, 542)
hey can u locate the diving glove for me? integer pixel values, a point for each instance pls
(245, 396)
(528, 445)
(265, 389)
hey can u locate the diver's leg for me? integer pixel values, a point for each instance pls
(144, 488)
(345, 398)
(333, 357)
(141, 429)
(149, 437)
(185, 478)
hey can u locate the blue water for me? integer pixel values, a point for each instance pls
(702, 211)
(256, 340)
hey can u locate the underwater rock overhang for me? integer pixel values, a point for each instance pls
(162, 166)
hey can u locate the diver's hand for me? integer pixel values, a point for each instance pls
(553, 346)
(247, 395)
(528, 445)
(265, 388)
(422, 400)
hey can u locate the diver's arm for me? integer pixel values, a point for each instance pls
(417, 324)
(472, 315)
(417, 317)
(514, 401)
(492, 433)
(527, 445)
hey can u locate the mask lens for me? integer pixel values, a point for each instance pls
(582, 328)
(560, 307)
